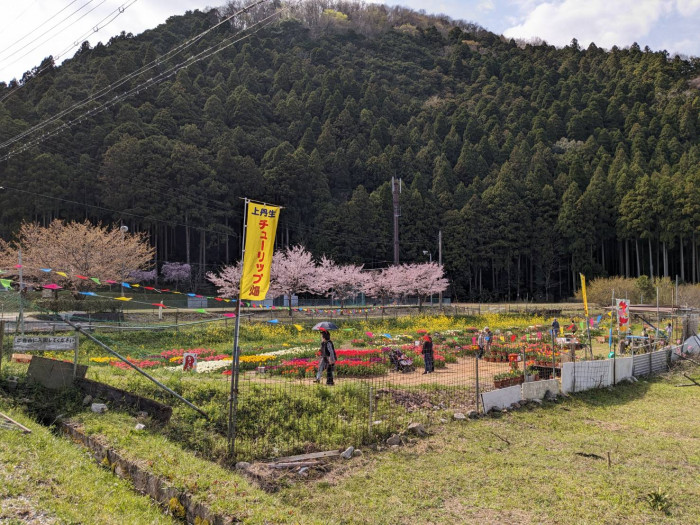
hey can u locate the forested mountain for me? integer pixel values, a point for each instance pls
(535, 162)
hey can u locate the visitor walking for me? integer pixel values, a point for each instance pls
(328, 358)
(428, 357)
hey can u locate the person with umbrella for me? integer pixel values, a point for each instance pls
(328, 358)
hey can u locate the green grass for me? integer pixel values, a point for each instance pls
(222, 490)
(467, 473)
(47, 479)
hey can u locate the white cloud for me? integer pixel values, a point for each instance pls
(688, 7)
(601, 21)
(485, 6)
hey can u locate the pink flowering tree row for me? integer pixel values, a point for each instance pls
(294, 271)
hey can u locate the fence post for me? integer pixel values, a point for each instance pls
(614, 370)
(476, 361)
(369, 419)
(2, 335)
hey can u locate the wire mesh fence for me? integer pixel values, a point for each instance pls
(381, 381)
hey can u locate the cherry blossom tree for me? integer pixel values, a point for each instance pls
(176, 272)
(142, 276)
(293, 272)
(339, 281)
(84, 253)
(228, 280)
(384, 284)
(423, 280)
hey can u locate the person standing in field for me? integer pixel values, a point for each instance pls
(484, 342)
(555, 327)
(328, 358)
(428, 357)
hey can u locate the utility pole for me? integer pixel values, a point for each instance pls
(397, 212)
(440, 260)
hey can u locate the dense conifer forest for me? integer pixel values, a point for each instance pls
(536, 163)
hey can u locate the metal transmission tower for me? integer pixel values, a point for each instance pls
(397, 213)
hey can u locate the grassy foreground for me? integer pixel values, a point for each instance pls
(47, 479)
(530, 467)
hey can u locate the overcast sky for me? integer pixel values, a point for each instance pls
(31, 30)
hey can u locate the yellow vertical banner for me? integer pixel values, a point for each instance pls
(583, 293)
(261, 226)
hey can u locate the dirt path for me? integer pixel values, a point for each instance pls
(462, 373)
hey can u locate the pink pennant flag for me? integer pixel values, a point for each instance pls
(369, 334)
(18, 266)
(110, 281)
(229, 315)
(52, 286)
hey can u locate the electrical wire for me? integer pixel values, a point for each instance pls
(38, 27)
(140, 71)
(53, 36)
(149, 83)
(77, 42)
(49, 30)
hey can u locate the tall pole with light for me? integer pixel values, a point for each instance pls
(430, 256)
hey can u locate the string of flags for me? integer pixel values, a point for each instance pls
(6, 283)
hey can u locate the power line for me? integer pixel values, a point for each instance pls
(47, 31)
(149, 83)
(78, 41)
(151, 65)
(53, 36)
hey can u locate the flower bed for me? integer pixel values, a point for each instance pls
(343, 367)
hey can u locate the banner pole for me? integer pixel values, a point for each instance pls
(233, 397)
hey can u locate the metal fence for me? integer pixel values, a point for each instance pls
(380, 388)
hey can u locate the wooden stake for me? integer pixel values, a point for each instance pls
(24, 429)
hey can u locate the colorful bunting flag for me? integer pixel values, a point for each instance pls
(298, 327)
(62, 274)
(229, 315)
(126, 285)
(52, 286)
(5, 283)
(201, 311)
(82, 277)
(45, 270)
(122, 298)
(95, 280)
(93, 294)
(161, 305)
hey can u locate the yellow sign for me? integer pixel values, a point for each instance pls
(261, 226)
(583, 292)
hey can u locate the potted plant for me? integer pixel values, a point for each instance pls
(500, 380)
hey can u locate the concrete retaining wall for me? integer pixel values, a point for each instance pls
(537, 389)
(146, 482)
(501, 398)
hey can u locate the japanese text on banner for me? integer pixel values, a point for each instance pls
(259, 244)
